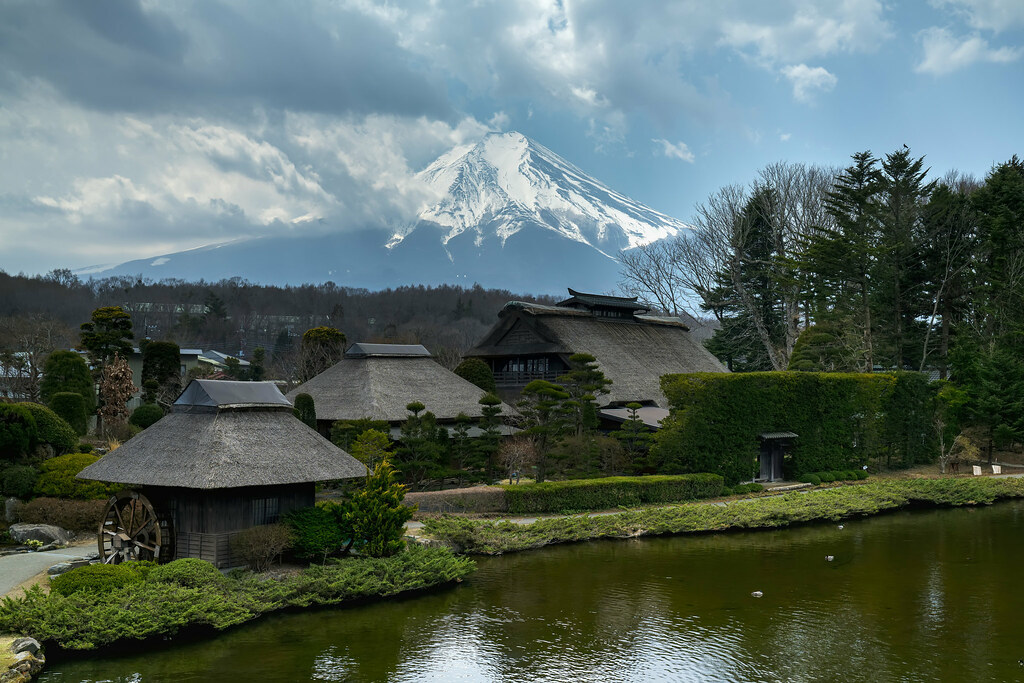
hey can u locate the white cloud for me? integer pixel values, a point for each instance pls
(797, 31)
(499, 121)
(944, 53)
(677, 150)
(808, 81)
(784, 137)
(987, 15)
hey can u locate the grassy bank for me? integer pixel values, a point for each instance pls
(168, 600)
(492, 538)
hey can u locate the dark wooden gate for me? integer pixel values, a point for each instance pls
(773, 450)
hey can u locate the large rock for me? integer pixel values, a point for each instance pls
(44, 533)
(11, 506)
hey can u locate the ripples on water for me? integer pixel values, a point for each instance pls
(924, 596)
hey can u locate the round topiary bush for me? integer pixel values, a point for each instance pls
(52, 429)
(812, 479)
(826, 477)
(862, 474)
(305, 409)
(19, 480)
(57, 478)
(70, 406)
(99, 578)
(85, 448)
(476, 371)
(146, 415)
(188, 572)
(726, 491)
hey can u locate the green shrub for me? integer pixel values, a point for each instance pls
(18, 432)
(100, 578)
(146, 415)
(52, 429)
(19, 480)
(826, 477)
(316, 532)
(188, 572)
(70, 407)
(140, 610)
(843, 420)
(726, 491)
(376, 515)
(862, 474)
(476, 371)
(752, 487)
(812, 479)
(75, 515)
(85, 448)
(609, 492)
(345, 432)
(305, 409)
(57, 478)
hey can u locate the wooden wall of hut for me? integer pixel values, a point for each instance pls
(203, 522)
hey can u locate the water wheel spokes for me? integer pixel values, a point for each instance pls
(132, 530)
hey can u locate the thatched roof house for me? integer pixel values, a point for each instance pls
(231, 455)
(378, 381)
(634, 349)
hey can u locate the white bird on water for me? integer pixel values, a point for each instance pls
(829, 558)
(757, 594)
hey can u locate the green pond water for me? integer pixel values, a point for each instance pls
(912, 596)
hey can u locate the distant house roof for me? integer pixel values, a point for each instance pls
(771, 436)
(222, 435)
(220, 359)
(363, 350)
(226, 393)
(633, 351)
(602, 301)
(181, 352)
(379, 386)
(651, 416)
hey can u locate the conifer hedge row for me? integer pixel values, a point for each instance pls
(843, 421)
(609, 492)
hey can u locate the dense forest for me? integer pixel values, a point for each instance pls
(876, 266)
(38, 314)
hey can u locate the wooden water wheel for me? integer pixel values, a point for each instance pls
(132, 530)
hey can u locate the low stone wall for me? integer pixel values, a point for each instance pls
(21, 659)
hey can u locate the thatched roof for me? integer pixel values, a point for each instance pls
(591, 301)
(633, 352)
(226, 435)
(379, 386)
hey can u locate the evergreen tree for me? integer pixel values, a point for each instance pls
(107, 334)
(68, 371)
(372, 447)
(487, 443)
(257, 366)
(635, 438)
(376, 514)
(161, 364)
(545, 419)
(583, 382)
(321, 348)
(421, 445)
(475, 371)
(345, 432)
(305, 409)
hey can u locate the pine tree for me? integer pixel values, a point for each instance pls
(106, 335)
(376, 514)
(635, 437)
(583, 382)
(545, 419)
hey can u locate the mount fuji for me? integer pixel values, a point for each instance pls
(509, 214)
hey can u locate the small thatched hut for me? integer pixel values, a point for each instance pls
(633, 349)
(378, 381)
(230, 456)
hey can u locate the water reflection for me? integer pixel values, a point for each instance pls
(924, 596)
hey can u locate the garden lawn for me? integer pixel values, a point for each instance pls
(831, 504)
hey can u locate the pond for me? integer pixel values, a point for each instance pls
(911, 596)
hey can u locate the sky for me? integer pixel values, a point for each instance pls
(132, 128)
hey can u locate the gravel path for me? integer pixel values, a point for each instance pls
(17, 569)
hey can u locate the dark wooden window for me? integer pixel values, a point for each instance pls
(266, 510)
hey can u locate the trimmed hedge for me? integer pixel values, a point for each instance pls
(51, 428)
(100, 578)
(70, 406)
(18, 432)
(609, 492)
(19, 480)
(843, 421)
(146, 415)
(57, 478)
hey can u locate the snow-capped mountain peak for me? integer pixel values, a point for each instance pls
(507, 182)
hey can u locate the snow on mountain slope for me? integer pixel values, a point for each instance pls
(507, 182)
